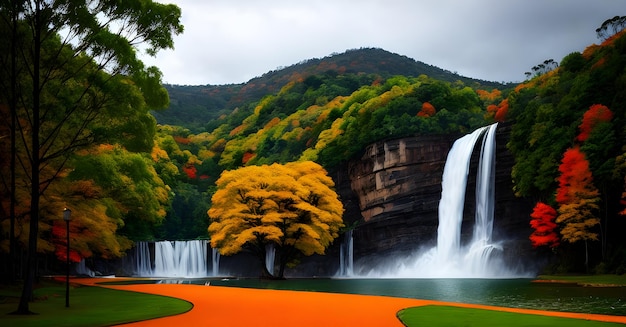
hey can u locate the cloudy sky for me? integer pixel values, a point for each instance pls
(232, 41)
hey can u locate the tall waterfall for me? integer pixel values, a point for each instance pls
(451, 259)
(346, 259)
(172, 259)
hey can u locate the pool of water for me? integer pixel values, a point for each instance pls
(520, 293)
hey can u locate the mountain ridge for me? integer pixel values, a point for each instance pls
(192, 106)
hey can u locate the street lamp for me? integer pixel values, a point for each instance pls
(67, 213)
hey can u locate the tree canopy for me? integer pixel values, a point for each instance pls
(71, 70)
(291, 207)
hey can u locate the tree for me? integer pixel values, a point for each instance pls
(578, 200)
(611, 26)
(291, 207)
(428, 110)
(74, 51)
(596, 114)
(544, 227)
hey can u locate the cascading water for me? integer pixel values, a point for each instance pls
(172, 259)
(270, 253)
(82, 269)
(346, 259)
(453, 185)
(449, 259)
(143, 267)
(215, 261)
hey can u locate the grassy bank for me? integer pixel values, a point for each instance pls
(439, 316)
(587, 280)
(89, 306)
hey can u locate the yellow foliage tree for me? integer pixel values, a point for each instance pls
(291, 207)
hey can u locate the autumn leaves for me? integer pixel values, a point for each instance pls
(577, 197)
(291, 207)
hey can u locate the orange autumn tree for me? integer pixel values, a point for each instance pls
(544, 227)
(428, 110)
(499, 111)
(578, 199)
(292, 208)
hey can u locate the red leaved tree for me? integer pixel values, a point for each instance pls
(597, 113)
(191, 170)
(542, 222)
(503, 108)
(578, 199)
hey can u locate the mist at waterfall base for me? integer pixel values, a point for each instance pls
(481, 257)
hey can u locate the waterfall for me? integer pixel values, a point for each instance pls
(82, 269)
(270, 253)
(449, 259)
(215, 261)
(172, 259)
(453, 185)
(346, 259)
(143, 267)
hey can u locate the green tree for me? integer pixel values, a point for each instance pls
(68, 53)
(291, 207)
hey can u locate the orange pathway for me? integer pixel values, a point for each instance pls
(231, 306)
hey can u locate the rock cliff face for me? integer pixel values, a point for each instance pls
(397, 186)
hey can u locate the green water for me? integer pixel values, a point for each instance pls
(520, 293)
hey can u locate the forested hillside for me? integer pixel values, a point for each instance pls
(193, 107)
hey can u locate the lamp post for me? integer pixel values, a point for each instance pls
(67, 213)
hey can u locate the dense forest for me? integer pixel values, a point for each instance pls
(150, 175)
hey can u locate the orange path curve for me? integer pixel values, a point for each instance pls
(231, 306)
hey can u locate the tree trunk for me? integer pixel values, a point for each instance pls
(13, 109)
(27, 290)
(586, 258)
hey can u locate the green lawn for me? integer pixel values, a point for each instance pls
(89, 306)
(440, 316)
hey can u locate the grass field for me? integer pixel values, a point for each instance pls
(89, 306)
(441, 316)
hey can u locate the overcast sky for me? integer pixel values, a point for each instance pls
(233, 41)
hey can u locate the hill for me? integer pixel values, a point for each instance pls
(194, 106)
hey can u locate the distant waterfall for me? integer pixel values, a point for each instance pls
(449, 259)
(172, 259)
(270, 253)
(346, 259)
(215, 261)
(143, 266)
